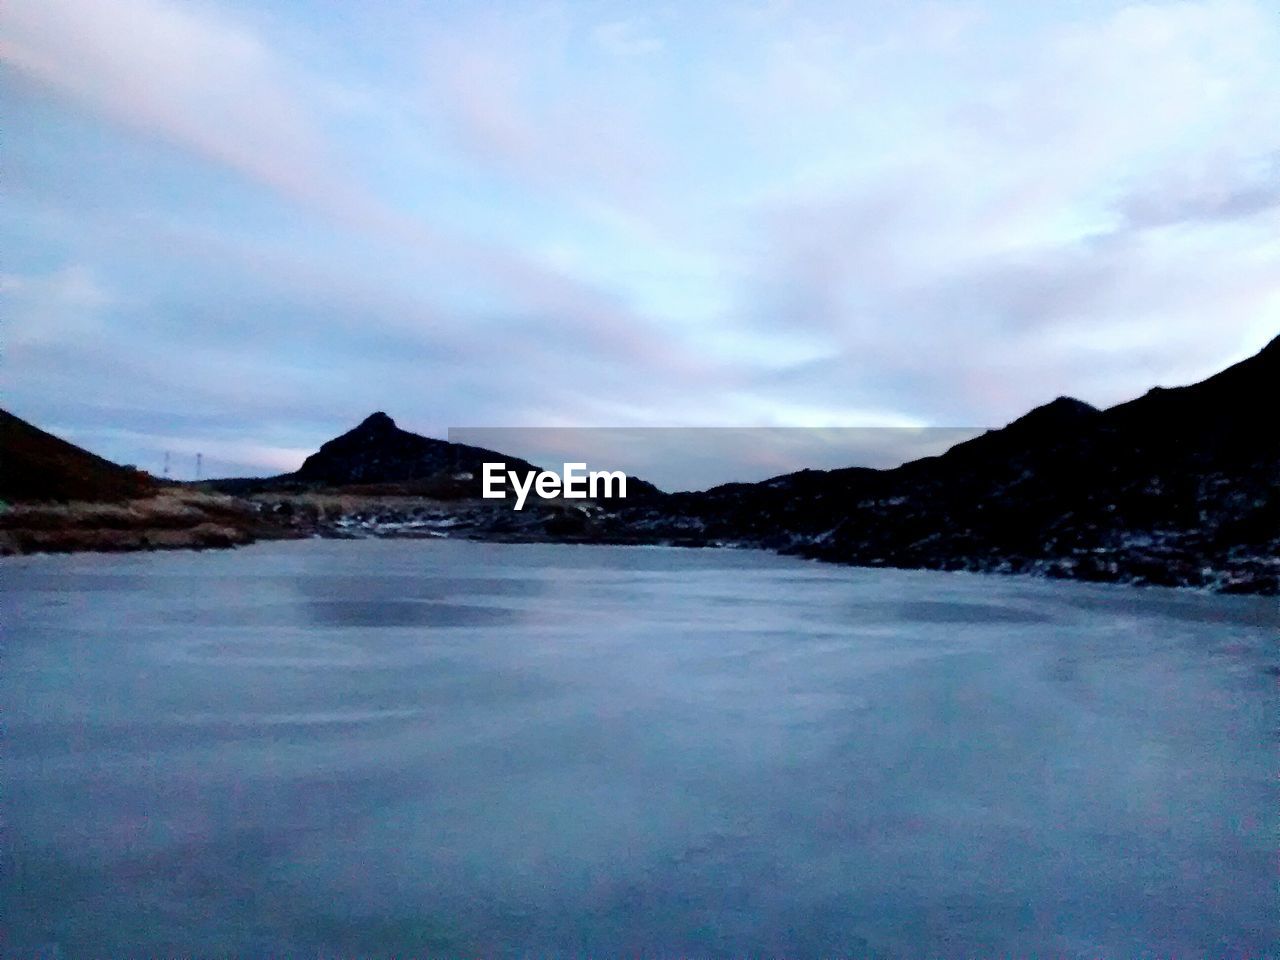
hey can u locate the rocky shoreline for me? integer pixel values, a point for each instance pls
(192, 520)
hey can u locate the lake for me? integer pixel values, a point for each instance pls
(438, 748)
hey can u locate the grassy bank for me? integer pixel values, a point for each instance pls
(170, 520)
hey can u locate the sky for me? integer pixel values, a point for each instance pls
(237, 228)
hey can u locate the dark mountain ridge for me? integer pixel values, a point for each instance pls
(377, 451)
(1177, 487)
(377, 455)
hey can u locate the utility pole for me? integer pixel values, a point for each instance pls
(166, 464)
(199, 463)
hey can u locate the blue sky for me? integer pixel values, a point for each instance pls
(238, 228)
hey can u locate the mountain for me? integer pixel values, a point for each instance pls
(378, 452)
(1177, 487)
(38, 466)
(378, 456)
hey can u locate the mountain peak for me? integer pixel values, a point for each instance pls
(1062, 411)
(377, 421)
(1070, 405)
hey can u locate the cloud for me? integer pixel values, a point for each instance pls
(547, 114)
(1070, 222)
(196, 77)
(554, 214)
(1216, 193)
(66, 305)
(188, 74)
(627, 38)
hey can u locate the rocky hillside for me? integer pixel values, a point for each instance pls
(377, 457)
(1177, 487)
(378, 452)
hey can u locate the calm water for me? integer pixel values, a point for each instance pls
(441, 748)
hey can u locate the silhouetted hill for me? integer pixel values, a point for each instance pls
(378, 452)
(1231, 414)
(1176, 487)
(377, 455)
(37, 466)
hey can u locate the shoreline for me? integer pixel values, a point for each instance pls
(243, 526)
